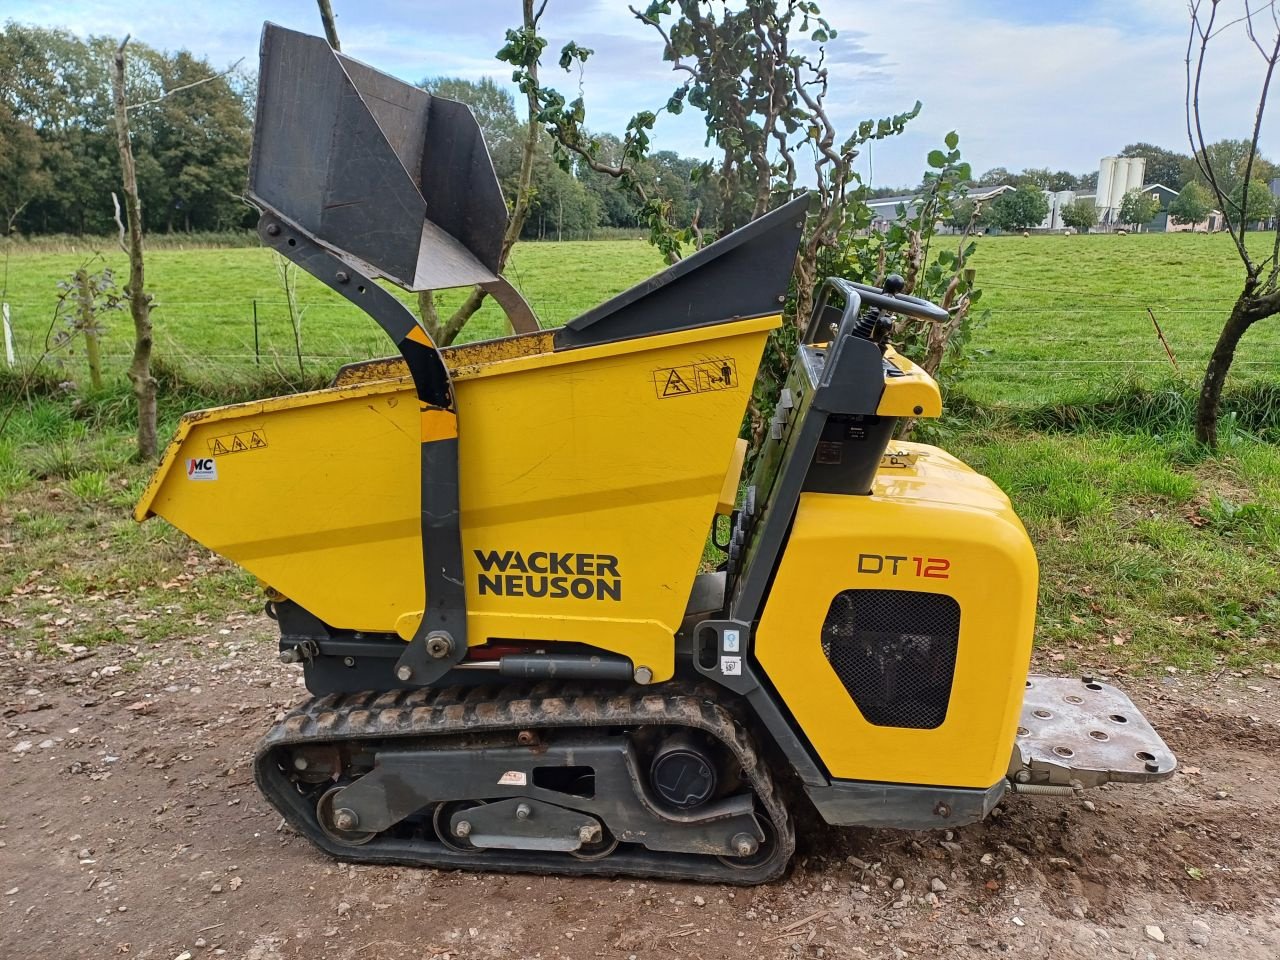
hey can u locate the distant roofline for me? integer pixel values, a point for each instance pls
(975, 193)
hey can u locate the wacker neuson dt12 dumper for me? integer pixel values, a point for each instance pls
(487, 559)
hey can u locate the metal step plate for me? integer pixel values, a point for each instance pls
(1087, 731)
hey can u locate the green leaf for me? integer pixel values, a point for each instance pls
(937, 159)
(952, 140)
(1195, 873)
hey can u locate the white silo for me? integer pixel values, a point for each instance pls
(1135, 174)
(1106, 174)
(1057, 204)
(1119, 183)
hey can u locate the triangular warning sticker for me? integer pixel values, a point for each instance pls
(255, 440)
(675, 385)
(237, 445)
(218, 447)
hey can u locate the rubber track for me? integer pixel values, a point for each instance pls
(424, 714)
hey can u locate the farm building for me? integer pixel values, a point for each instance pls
(1117, 176)
(1210, 224)
(885, 209)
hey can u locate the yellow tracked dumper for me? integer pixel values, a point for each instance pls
(488, 559)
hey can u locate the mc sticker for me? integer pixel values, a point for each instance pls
(202, 468)
(731, 666)
(513, 778)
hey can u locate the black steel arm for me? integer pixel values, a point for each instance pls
(441, 638)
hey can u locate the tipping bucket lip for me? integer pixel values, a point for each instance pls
(486, 358)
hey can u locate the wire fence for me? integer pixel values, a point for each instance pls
(1041, 335)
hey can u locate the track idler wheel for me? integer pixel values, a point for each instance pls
(752, 853)
(598, 848)
(456, 841)
(338, 823)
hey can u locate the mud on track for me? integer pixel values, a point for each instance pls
(131, 827)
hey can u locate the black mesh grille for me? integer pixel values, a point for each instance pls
(895, 652)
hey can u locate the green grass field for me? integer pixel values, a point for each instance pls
(1154, 553)
(1062, 314)
(204, 302)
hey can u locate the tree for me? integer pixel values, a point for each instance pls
(759, 78)
(1138, 207)
(995, 177)
(1168, 167)
(1252, 206)
(1259, 296)
(445, 332)
(562, 208)
(1192, 205)
(199, 142)
(95, 295)
(495, 110)
(1081, 213)
(757, 72)
(1047, 179)
(328, 20)
(1040, 176)
(1064, 180)
(963, 213)
(22, 177)
(144, 384)
(58, 155)
(1233, 162)
(1020, 209)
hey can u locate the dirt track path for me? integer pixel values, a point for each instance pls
(130, 827)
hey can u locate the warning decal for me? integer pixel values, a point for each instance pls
(238, 442)
(675, 384)
(702, 377)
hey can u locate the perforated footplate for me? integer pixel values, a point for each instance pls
(1087, 731)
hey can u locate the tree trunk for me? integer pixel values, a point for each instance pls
(88, 327)
(1215, 374)
(330, 27)
(449, 330)
(144, 384)
(430, 315)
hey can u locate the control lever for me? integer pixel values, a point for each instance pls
(873, 324)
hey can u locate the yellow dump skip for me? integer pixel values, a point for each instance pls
(589, 478)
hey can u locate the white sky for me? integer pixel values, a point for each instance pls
(1024, 82)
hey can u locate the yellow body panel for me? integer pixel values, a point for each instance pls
(729, 492)
(569, 460)
(937, 509)
(914, 394)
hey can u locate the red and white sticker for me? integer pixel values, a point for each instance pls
(514, 778)
(202, 468)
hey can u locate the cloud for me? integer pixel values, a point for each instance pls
(1038, 92)
(1025, 84)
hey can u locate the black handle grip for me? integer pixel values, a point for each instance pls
(894, 303)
